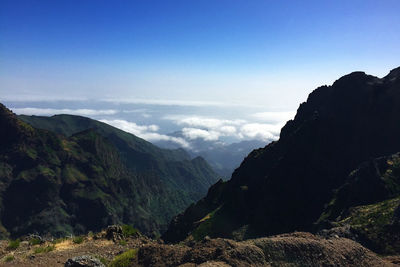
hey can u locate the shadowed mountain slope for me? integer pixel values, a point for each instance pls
(285, 186)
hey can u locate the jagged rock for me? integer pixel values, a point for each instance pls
(84, 261)
(114, 232)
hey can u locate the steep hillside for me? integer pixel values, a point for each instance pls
(58, 185)
(189, 179)
(285, 186)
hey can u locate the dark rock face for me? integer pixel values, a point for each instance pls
(114, 233)
(284, 186)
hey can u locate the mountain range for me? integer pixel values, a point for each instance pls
(67, 175)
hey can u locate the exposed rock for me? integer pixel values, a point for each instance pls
(84, 261)
(296, 249)
(114, 232)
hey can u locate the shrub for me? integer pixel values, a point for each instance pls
(125, 259)
(129, 230)
(123, 242)
(9, 258)
(13, 244)
(43, 249)
(78, 239)
(35, 241)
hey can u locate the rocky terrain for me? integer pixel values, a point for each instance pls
(296, 249)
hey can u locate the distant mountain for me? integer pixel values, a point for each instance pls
(96, 176)
(286, 185)
(224, 158)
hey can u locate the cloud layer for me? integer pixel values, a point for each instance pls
(212, 129)
(147, 132)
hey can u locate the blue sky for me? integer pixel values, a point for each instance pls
(259, 53)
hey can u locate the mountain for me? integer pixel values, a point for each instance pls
(286, 185)
(98, 175)
(224, 158)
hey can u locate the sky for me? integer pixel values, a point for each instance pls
(178, 60)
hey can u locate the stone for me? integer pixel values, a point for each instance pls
(84, 261)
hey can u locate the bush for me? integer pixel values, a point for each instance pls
(35, 241)
(129, 230)
(125, 259)
(123, 242)
(9, 258)
(13, 244)
(78, 239)
(43, 249)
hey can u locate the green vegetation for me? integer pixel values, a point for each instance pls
(35, 241)
(78, 239)
(129, 230)
(103, 260)
(124, 259)
(43, 249)
(9, 258)
(13, 244)
(206, 226)
(123, 242)
(373, 224)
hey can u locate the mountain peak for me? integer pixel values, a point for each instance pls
(393, 74)
(12, 128)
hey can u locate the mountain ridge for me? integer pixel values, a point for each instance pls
(53, 184)
(285, 186)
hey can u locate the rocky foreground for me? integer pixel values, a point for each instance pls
(112, 249)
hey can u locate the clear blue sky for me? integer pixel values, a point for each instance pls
(257, 52)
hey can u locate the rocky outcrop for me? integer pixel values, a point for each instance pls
(84, 261)
(296, 249)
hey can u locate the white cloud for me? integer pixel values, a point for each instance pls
(228, 130)
(213, 129)
(266, 132)
(194, 133)
(274, 117)
(147, 132)
(50, 111)
(197, 121)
